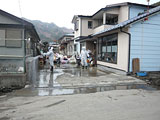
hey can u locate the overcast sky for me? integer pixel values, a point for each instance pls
(60, 12)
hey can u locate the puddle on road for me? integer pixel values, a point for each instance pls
(82, 90)
(46, 85)
(90, 72)
(47, 79)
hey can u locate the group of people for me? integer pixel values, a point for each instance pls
(83, 56)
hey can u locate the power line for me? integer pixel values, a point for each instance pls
(20, 8)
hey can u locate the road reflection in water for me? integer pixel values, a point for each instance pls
(45, 83)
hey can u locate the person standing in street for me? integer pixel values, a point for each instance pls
(84, 55)
(50, 54)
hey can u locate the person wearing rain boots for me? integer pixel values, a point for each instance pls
(84, 56)
(50, 54)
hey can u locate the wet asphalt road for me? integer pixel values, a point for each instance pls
(39, 101)
(45, 82)
(70, 79)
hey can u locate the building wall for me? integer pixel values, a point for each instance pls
(95, 23)
(145, 43)
(11, 50)
(90, 45)
(77, 33)
(101, 28)
(122, 57)
(78, 48)
(70, 48)
(123, 14)
(66, 50)
(134, 10)
(11, 58)
(113, 11)
(85, 30)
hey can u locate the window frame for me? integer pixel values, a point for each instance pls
(90, 26)
(112, 21)
(11, 46)
(4, 45)
(102, 43)
(76, 25)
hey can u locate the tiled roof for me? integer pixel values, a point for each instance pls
(127, 22)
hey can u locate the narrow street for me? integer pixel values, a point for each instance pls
(68, 79)
(71, 93)
(83, 60)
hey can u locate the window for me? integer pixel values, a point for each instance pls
(112, 20)
(13, 38)
(89, 24)
(107, 48)
(75, 47)
(76, 25)
(2, 37)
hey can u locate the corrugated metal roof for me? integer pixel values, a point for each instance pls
(127, 22)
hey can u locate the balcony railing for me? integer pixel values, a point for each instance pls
(100, 28)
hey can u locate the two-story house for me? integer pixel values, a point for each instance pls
(67, 44)
(118, 45)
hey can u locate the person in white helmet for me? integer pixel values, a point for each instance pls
(50, 54)
(84, 55)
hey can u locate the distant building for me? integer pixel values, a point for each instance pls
(121, 32)
(18, 41)
(55, 46)
(67, 44)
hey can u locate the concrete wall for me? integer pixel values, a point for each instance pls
(145, 43)
(19, 80)
(12, 81)
(122, 56)
(11, 65)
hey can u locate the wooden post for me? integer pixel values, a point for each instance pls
(135, 65)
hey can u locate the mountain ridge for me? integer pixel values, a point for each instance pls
(48, 32)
